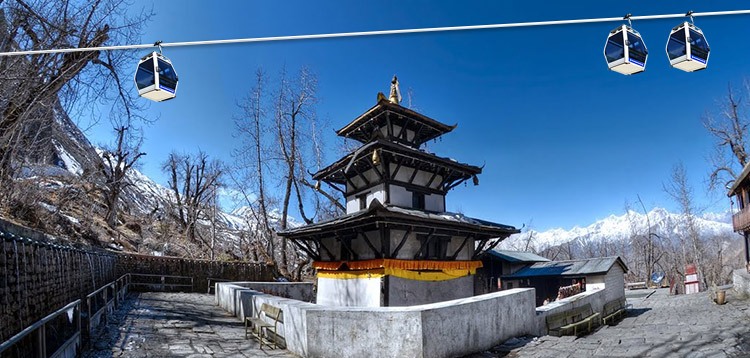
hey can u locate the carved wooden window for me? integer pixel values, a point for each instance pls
(417, 200)
(362, 198)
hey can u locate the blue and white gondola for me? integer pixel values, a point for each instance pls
(156, 78)
(625, 51)
(687, 48)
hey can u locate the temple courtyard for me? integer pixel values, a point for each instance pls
(160, 324)
(658, 325)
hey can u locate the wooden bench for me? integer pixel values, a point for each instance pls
(614, 311)
(264, 326)
(575, 321)
(636, 285)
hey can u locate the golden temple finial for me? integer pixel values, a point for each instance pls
(381, 97)
(395, 96)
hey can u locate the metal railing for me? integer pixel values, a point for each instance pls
(99, 304)
(160, 282)
(69, 345)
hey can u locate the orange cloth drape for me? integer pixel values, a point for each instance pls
(398, 264)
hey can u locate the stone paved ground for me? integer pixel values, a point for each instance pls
(175, 325)
(658, 325)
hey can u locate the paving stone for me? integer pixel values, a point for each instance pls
(175, 324)
(666, 326)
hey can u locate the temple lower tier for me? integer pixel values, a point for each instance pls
(392, 282)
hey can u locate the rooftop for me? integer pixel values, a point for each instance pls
(517, 256)
(398, 215)
(570, 268)
(362, 127)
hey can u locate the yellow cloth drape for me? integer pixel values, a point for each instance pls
(421, 270)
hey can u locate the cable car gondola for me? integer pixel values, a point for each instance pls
(156, 78)
(625, 51)
(687, 48)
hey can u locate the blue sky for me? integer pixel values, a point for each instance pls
(564, 141)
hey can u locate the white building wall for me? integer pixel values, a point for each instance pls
(376, 192)
(594, 283)
(473, 324)
(359, 245)
(434, 202)
(352, 204)
(466, 251)
(405, 292)
(410, 248)
(400, 197)
(615, 283)
(355, 292)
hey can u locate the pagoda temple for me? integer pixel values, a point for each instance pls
(396, 245)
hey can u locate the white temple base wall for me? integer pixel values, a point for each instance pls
(405, 292)
(352, 292)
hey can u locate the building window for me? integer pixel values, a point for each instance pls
(435, 249)
(362, 198)
(417, 200)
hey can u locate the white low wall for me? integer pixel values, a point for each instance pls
(444, 329)
(232, 292)
(741, 282)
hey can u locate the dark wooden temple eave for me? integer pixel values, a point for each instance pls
(397, 221)
(337, 172)
(361, 128)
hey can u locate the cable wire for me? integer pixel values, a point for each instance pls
(374, 33)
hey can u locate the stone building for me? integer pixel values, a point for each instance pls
(396, 245)
(604, 273)
(739, 192)
(497, 263)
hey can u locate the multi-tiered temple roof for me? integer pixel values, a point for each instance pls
(396, 224)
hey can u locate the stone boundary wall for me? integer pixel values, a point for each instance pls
(443, 329)
(38, 277)
(199, 270)
(741, 280)
(597, 299)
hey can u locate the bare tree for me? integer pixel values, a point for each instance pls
(30, 86)
(280, 135)
(251, 161)
(117, 163)
(729, 127)
(192, 180)
(682, 193)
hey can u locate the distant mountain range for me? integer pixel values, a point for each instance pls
(621, 227)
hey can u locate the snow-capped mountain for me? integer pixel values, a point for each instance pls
(621, 227)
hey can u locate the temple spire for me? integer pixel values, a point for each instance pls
(395, 96)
